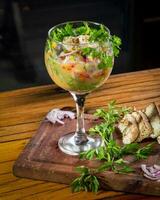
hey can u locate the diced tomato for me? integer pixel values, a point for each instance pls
(68, 66)
(83, 76)
(62, 57)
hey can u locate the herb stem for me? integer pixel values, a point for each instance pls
(110, 152)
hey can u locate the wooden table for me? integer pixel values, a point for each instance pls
(21, 112)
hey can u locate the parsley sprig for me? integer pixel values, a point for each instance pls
(100, 34)
(116, 43)
(68, 30)
(110, 153)
(106, 60)
(87, 181)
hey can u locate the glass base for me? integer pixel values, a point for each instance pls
(68, 146)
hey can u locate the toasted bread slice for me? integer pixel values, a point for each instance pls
(129, 129)
(153, 115)
(145, 129)
(137, 116)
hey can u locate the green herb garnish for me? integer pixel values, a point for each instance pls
(100, 35)
(86, 182)
(106, 60)
(111, 153)
(116, 43)
(95, 35)
(144, 152)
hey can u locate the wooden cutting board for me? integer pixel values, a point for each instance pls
(41, 159)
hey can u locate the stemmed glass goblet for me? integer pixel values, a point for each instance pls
(76, 64)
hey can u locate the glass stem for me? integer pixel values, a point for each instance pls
(80, 135)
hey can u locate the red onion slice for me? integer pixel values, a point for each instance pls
(151, 178)
(152, 172)
(57, 115)
(157, 167)
(68, 54)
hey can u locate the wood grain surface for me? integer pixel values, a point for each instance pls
(21, 112)
(43, 160)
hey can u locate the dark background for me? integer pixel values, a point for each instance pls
(24, 25)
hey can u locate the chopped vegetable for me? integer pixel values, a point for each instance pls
(100, 34)
(82, 54)
(152, 172)
(56, 115)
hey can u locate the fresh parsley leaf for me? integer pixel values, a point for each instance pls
(123, 169)
(68, 29)
(116, 43)
(100, 35)
(144, 152)
(105, 166)
(89, 155)
(105, 60)
(129, 149)
(95, 35)
(113, 149)
(110, 152)
(83, 30)
(82, 170)
(87, 181)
